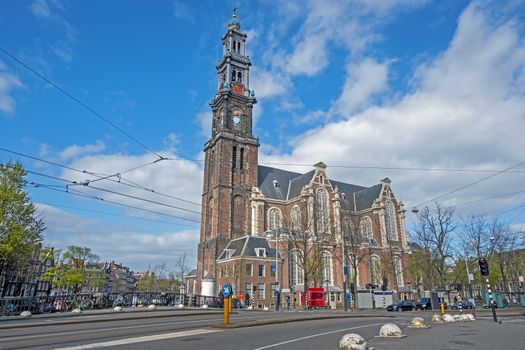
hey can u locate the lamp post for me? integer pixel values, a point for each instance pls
(345, 270)
(277, 291)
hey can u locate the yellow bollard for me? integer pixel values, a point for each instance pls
(442, 308)
(226, 308)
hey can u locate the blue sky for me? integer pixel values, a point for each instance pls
(395, 84)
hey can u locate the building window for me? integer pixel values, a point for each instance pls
(249, 289)
(260, 291)
(398, 269)
(249, 270)
(390, 218)
(260, 252)
(228, 253)
(296, 218)
(234, 157)
(327, 267)
(375, 270)
(272, 291)
(366, 228)
(241, 164)
(239, 77)
(296, 271)
(261, 270)
(322, 210)
(274, 219)
(234, 75)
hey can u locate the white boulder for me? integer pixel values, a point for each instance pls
(76, 311)
(25, 314)
(448, 318)
(117, 309)
(152, 307)
(418, 322)
(437, 318)
(471, 317)
(390, 330)
(180, 306)
(204, 306)
(352, 341)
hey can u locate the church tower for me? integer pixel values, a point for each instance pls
(231, 158)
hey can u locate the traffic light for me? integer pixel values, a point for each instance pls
(483, 267)
(384, 286)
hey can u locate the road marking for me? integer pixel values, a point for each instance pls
(106, 329)
(147, 338)
(316, 335)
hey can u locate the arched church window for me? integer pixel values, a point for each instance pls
(375, 270)
(296, 270)
(366, 228)
(398, 269)
(239, 77)
(390, 221)
(274, 219)
(234, 73)
(239, 47)
(296, 218)
(234, 46)
(327, 268)
(321, 198)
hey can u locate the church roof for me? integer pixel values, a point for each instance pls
(285, 185)
(245, 247)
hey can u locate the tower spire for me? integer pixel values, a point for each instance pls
(234, 23)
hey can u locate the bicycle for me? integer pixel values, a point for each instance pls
(75, 303)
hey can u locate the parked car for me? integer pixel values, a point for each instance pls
(424, 304)
(401, 305)
(463, 304)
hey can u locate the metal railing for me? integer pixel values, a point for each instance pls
(61, 303)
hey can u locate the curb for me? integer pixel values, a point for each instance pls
(91, 320)
(293, 319)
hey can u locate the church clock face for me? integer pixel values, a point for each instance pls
(236, 120)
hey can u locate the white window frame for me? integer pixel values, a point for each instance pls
(321, 200)
(274, 218)
(390, 221)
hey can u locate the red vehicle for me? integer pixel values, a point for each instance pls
(315, 297)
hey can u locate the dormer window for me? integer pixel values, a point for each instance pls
(343, 195)
(275, 183)
(228, 253)
(260, 252)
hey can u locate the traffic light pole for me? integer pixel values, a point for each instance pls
(492, 304)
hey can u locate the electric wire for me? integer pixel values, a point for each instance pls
(109, 213)
(63, 91)
(108, 177)
(114, 202)
(471, 184)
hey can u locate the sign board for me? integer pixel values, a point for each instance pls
(345, 270)
(520, 278)
(471, 277)
(226, 290)
(273, 267)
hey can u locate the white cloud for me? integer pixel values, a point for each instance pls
(51, 11)
(76, 151)
(8, 82)
(183, 11)
(363, 80)
(267, 84)
(120, 242)
(309, 57)
(204, 119)
(466, 111)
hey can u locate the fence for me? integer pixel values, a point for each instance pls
(45, 304)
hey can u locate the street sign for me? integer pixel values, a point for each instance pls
(273, 267)
(226, 290)
(470, 277)
(346, 270)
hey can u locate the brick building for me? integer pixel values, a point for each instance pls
(248, 209)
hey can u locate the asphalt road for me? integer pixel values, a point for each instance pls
(186, 331)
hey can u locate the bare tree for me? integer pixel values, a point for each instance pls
(356, 248)
(310, 242)
(433, 233)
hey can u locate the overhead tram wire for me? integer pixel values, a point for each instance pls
(63, 91)
(368, 167)
(37, 185)
(112, 214)
(489, 198)
(70, 182)
(415, 210)
(105, 176)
